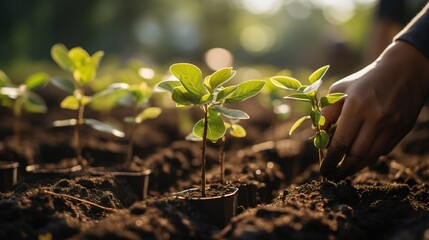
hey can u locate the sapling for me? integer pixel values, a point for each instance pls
(136, 96)
(308, 93)
(83, 68)
(22, 98)
(209, 95)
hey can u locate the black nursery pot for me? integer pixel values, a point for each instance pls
(137, 180)
(219, 209)
(8, 175)
(246, 197)
(50, 170)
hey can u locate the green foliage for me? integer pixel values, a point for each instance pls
(308, 93)
(83, 69)
(190, 89)
(22, 97)
(210, 95)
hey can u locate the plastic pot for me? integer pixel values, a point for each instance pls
(246, 196)
(50, 170)
(8, 175)
(219, 209)
(137, 180)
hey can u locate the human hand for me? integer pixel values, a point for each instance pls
(383, 102)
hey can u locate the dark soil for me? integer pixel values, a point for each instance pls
(281, 195)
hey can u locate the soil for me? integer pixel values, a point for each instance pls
(282, 195)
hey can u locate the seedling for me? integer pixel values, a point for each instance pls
(308, 93)
(209, 95)
(22, 98)
(137, 96)
(83, 68)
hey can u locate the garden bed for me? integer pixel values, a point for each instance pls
(387, 201)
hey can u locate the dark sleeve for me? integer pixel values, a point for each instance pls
(417, 33)
(391, 10)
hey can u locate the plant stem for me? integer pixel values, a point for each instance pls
(77, 133)
(17, 125)
(203, 153)
(130, 150)
(81, 200)
(222, 160)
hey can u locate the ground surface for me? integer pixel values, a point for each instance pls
(387, 201)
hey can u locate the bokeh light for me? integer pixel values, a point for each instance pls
(217, 58)
(257, 39)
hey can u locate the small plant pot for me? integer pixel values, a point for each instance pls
(50, 170)
(137, 180)
(219, 209)
(8, 175)
(246, 197)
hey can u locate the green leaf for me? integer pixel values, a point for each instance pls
(216, 127)
(300, 97)
(148, 113)
(104, 127)
(192, 137)
(168, 85)
(231, 113)
(220, 77)
(84, 74)
(70, 102)
(108, 99)
(237, 131)
(191, 78)
(286, 82)
(321, 139)
(79, 57)
(297, 124)
(317, 118)
(181, 96)
(37, 80)
(10, 92)
(313, 87)
(245, 90)
(59, 54)
(318, 74)
(64, 123)
(331, 99)
(206, 99)
(34, 103)
(96, 58)
(4, 79)
(225, 92)
(64, 84)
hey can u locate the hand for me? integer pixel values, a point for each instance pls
(384, 100)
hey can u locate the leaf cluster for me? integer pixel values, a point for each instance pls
(210, 94)
(308, 93)
(23, 96)
(83, 68)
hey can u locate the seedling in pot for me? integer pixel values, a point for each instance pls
(209, 95)
(83, 68)
(308, 93)
(136, 96)
(21, 98)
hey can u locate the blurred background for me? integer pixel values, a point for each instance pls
(213, 33)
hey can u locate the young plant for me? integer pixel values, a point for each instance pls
(22, 98)
(209, 95)
(308, 93)
(136, 96)
(83, 68)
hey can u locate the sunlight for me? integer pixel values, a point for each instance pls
(217, 58)
(257, 39)
(262, 6)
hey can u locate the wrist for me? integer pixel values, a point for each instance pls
(407, 63)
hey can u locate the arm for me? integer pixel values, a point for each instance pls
(383, 103)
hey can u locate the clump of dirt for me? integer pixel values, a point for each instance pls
(326, 210)
(59, 208)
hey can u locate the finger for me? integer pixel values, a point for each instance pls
(359, 154)
(331, 114)
(347, 129)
